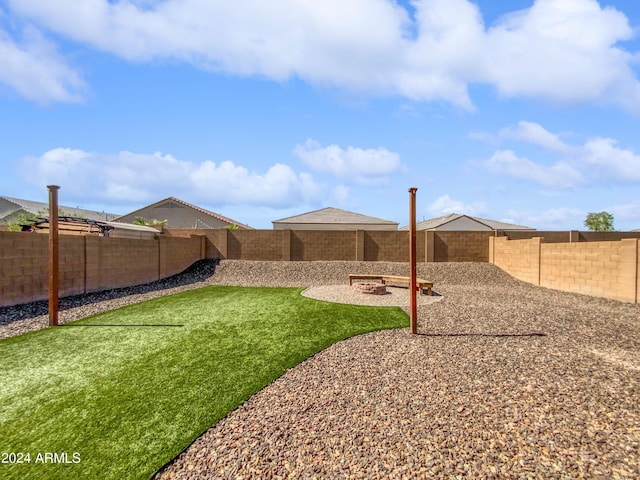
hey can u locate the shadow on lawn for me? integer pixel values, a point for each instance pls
(200, 271)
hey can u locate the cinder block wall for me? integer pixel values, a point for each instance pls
(568, 235)
(461, 246)
(350, 245)
(323, 245)
(388, 246)
(177, 254)
(23, 267)
(604, 269)
(87, 263)
(520, 258)
(119, 262)
(72, 262)
(369, 245)
(549, 237)
(254, 244)
(606, 236)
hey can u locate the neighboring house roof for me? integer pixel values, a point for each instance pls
(467, 220)
(10, 207)
(201, 218)
(334, 216)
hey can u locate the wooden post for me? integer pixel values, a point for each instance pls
(412, 260)
(54, 260)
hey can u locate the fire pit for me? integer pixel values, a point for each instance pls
(370, 288)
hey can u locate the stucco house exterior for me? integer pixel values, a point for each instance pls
(180, 214)
(333, 219)
(461, 222)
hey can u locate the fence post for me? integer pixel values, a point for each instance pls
(54, 255)
(412, 260)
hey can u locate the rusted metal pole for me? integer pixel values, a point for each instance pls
(412, 260)
(54, 259)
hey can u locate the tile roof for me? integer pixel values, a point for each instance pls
(334, 216)
(194, 207)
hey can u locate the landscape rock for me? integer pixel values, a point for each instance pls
(503, 380)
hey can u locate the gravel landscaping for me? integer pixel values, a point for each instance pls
(395, 296)
(504, 380)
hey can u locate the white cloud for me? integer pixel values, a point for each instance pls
(627, 212)
(446, 205)
(363, 166)
(610, 161)
(564, 50)
(35, 70)
(128, 177)
(228, 183)
(596, 161)
(484, 137)
(558, 50)
(341, 194)
(558, 175)
(552, 219)
(535, 134)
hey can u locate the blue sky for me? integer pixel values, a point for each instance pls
(520, 111)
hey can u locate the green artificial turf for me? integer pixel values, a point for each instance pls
(118, 395)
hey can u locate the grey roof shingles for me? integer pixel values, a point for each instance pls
(436, 222)
(334, 216)
(31, 206)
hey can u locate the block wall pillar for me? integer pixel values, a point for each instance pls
(223, 246)
(162, 257)
(286, 245)
(638, 272)
(492, 249)
(359, 245)
(429, 246)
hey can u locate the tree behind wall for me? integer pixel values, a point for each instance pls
(599, 222)
(152, 222)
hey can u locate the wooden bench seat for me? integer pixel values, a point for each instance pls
(421, 284)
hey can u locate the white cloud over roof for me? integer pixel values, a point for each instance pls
(598, 160)
(133, 177)
(365, 166)
(445, 205)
